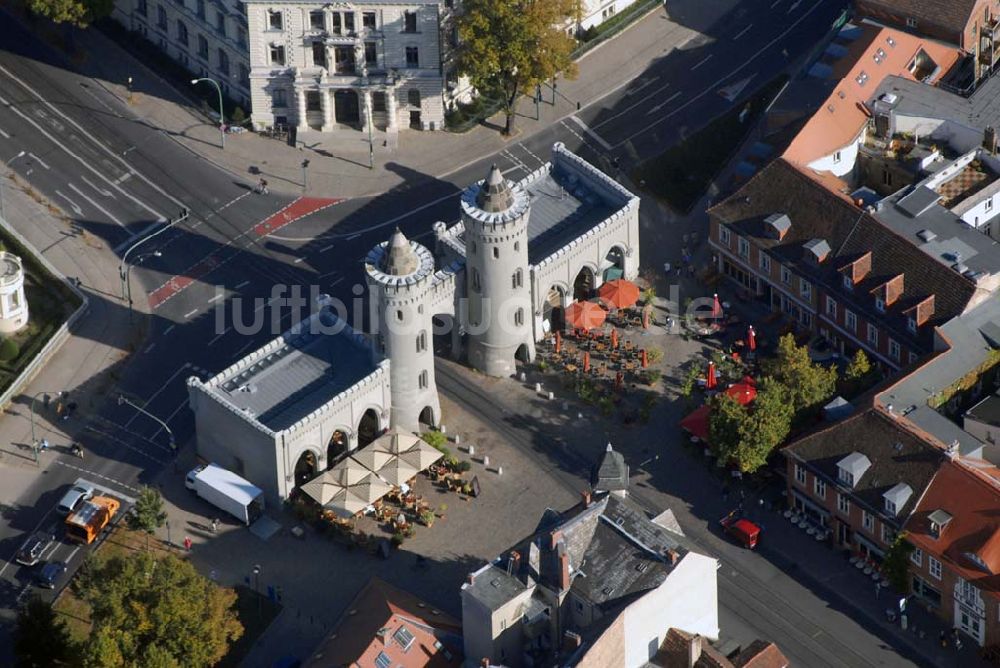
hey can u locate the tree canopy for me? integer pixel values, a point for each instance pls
(77, 12)
(808, 384)
(509, 47)
(155, 611)
(747, 435)
(40, 638)
(147, 514)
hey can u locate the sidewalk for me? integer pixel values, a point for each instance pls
(100, 340)
(339, 162)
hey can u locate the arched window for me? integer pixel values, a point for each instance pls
(496, 252)
(519, 317)
(422, 380)
(421, 342)
(399, 315)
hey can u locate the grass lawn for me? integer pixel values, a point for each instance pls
(682, 174)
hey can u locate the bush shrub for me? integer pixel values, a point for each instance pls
(436, 440)
(9, 350)
(464, 466)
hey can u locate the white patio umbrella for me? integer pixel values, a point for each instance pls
(346, 504)
(397, 471)
(348, 472)
(370, 489)
(322, 488)
(395, 441)
(373, 458)
(421, 455)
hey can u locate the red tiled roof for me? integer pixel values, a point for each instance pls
(761, 654)
(370, 624)
(951, 14)
(842, 116)
(973, 501)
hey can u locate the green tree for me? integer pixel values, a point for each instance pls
(40, 638)
(747, 435)
(859, 368)
(155, 611)
(9, 350)
(895, 566)
(512, 46)
(147, 514)
(76, 12)
(808, 384)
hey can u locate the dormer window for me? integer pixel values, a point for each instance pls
(880, 305)
(896, 497)
(846, 477)
(974, 558)
(848, 282)
(938, 520)
(890, 507)
(911, 324)
(852, 467)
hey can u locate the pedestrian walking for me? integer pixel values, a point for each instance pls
(44, 444)
(943, 638)
(215, 525)
(262, 187)
(878, 589)
(188, 543)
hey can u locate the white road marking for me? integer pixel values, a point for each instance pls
(703, 61)
(28, 537)
(325, 248)
(795, 5)
(149, 348)
(190, 313)
(242, 285)
(73, 554)
(743, 32)
(100, 191)
(775, 3)
(298, 260)
(238, 353)
(339, 280)
(95, 474)
(73, 205)
(164, 386)
(122, 179)
(642, 85)
(171, 416)
(354, 236)
(329, 273)
(4, 134)
(39, 160)
(219, 336)
(664, 103)
(593, 135)
(97, 206)
(168, 330)
(715, 86)
(215, 299)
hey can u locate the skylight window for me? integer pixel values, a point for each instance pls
(890, 41)
(403, 637)
(382, 661)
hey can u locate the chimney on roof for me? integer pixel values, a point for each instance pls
(555, 537)
(694, 651)
(888, 408)
(563, 571)
(952, 450)
(484, 662)
(470, 578)
(585, 495)
(673, 556)
(514, 563)
(990, 139)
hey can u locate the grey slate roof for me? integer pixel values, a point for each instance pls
(952, 15)
(494, 588)
(986, 411)
(307, 371)
(897, 455)
(611, 473)
(562, 208)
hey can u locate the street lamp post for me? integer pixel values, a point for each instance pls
(34, 441)
(128, 282)
(256, 587)
(222, 118)
(169, 542)
(7, 164)
(122, 265)
(305, 165)
(122, 399)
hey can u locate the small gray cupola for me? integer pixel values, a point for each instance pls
(400, 259)
(495, 194)
(896, 497)
(817, 250)
(852, 467)
(777, 225)
(938, 520)
(610, 474)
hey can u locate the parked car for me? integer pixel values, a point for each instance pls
(742, 529)
(80, 492)
(31, 553)
(51, 574)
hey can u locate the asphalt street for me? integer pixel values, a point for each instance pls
(75, 144)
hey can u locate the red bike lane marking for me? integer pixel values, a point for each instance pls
(296, 210)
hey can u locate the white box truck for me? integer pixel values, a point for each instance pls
(227, 491)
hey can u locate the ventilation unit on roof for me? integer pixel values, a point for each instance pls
(890, 41)
(926, 235)
(881, 53)
(960, 268)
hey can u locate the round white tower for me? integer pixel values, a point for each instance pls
(401, 278)
(498, 315)
(13, 305)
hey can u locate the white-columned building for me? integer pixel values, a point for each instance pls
(13, 304)
(319, 66)
(520, 253)
(208, 37)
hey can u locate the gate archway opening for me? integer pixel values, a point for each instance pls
(583, 284)
(337, 448)
(368, 428)
(305, 468)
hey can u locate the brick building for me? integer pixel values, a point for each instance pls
(860, 479)
(811, 253)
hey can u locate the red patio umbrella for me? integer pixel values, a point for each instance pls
(558, 341)
(586, 361)
(585, 315)
(751, 339)
(614, 339)
(619, 293)
(696, 423)
(742, 392)
(711, 381)
(716, 306)
(644, 358)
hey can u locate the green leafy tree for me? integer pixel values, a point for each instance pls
(77, 12)
(859, 368)
(9, 350)
(895, 566)
(512, 46)
(747, 435)
(40, 638)
(155, 611)
(808, 384)
(147, 514)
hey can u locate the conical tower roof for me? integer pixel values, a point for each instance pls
(495, 195)
(400, 258)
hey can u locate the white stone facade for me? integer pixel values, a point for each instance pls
(317, 66)
(208, 37)
(13, 304)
